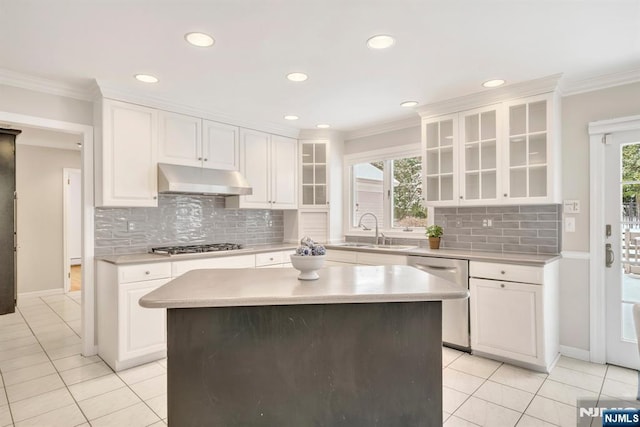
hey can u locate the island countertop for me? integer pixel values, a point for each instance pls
(280, 286)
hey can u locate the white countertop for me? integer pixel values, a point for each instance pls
(280, 286)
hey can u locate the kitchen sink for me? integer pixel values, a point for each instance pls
(372, 246)
(396, 247)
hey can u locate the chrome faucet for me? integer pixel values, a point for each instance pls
(364, 227)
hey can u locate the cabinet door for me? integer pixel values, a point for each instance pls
(314, 224)
(480, 156)
(141, 330)
(180, 139)
(220, 146)
(368, 258)
(254, 164)
(178, 268)
(506, 319)
(314, 178)
(129, 155)
(527, 151)
(284, 167)
(440, 160)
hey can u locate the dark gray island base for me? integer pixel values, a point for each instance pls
(361, 346)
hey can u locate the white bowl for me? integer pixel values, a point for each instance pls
(308, 265)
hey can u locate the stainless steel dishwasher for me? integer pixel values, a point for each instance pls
(455, 313)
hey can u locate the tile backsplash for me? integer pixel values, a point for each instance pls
(533, 229)
(183, 219)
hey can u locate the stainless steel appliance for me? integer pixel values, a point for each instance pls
(455, 313)
(191, 180)
(196, 249)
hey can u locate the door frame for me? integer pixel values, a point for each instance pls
(89, 345)
(598, 132)
(66, 173)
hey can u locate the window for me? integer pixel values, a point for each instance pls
(390, 189)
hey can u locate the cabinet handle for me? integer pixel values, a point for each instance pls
(147, 273)
(199, 158)
(270, 259)
(461, 197)
(206, 160)
(502, 272)
(155, 197)
(502, 285)
(506, 195)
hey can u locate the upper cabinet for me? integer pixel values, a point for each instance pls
(126, 155)
(269, 162)
(314, 189)
(191, 141)
(504, 153)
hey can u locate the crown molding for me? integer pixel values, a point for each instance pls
(491, 96)
(332, 135)
(382, 128)
(39, 84)
(113, 92)
(574, 87)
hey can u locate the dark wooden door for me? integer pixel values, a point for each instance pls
(7, 220)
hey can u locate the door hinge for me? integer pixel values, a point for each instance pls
(69, 275)
(68, 181)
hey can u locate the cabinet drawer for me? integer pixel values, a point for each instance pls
(143, 272)
(242, 261)
(508, 272)
(270, 258)
(367, 258)
(349, 257)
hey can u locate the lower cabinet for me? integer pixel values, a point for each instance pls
(338, 257)
(515, 321)
(279, 259)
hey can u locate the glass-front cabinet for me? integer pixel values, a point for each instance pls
(440, 167)
(479, 155)
(314, 174)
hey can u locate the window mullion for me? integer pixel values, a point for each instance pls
(387, 204)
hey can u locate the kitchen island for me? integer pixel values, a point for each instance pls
(361, 346)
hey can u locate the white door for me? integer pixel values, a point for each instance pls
(622, 272)
(284, 164)
(220, 146)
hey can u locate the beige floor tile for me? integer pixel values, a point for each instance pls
(62, 352)
(454, 421)
(503, 395)
(18, 342)
(582, 366)
(96, 386)
(474, 365)
(565, 393)
(3, 397)
(151, 388)
(552, 411)
(576, 379)
(619, 389)
(624, 375)
(68, 416)
(133, 416)
(15, 353)
(22, 362)
(19, 333)
(445, 416)
(28, 373)
(162, 362)
(160, 423)
(519, 378)
(460, 381)
(5, 416)
(449, 355)
(84, 373)
(452, 399)
(41, 404)
(34, 387)
(75, 361)
(485, 413)
(528, 421)
(108, 403)
(141, 373)
(51, 344)
(159, 405)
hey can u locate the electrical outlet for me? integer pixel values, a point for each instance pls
(458, 223)
(570, 224)
(487, 222)
(130, 226)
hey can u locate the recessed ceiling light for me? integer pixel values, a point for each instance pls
(323, 126)
(291, 117)
(493, 83)
(199, 39)
(409, 104)
(146, 78)
(381, 41)
(297, 77)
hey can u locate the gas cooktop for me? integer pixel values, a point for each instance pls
(196, 249)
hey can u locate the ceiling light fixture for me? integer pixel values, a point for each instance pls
(381, 41)
(146, 78)
(297, 77)
(409, 104)
(199, 39)
(323, 126)
(493, 83)
(291, 117)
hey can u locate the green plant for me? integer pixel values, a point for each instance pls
(434, 231)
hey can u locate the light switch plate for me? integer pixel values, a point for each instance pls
(571, 206)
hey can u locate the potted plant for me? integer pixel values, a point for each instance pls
(434, 232)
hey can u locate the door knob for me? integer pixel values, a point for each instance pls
(609, 255)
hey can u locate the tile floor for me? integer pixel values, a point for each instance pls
(46, 382)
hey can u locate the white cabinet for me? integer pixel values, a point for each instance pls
(128, 334)
(338, 257)
(315, 179)
(126, 155)
(278, 259)
(512, 320)
(178, 268)
(191, 141)
(269, 162)
(440, 160)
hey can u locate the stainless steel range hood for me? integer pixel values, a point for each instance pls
(194, 180)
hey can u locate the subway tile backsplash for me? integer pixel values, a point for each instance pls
(182, 220)
(533, 229)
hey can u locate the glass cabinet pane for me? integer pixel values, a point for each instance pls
(518, 151)
(321, 174)
(307, 194)
(321, 195)
(538, 149)
(472, 157)
(472, 186)
(433, 162)
(321, 153)
(518, 119)
(518, 182)
(446, 133)
(433, 185)
(538, 181)
(488, 125)
(307, 153)
(432, 135)
(446, 187)
(538, 116)
(489, 185)
(307, 174)
(488, 156)
(446, 160)
(471, 128)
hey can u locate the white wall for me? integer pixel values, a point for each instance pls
(39, 187)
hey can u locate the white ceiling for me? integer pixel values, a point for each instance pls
(444, 49)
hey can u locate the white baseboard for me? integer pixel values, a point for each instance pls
(37, 294)
(575, 353)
